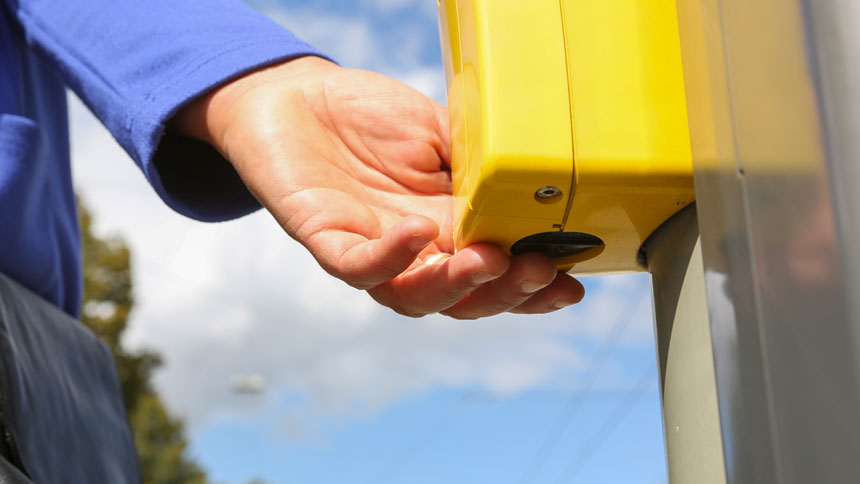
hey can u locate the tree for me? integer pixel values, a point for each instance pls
(108, 301)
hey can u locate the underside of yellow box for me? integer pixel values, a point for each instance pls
(568, 126)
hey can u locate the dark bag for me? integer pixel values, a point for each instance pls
(61, 408)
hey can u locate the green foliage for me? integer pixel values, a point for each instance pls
(108, 301)
(161, 445)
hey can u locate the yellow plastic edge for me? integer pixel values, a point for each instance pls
(510, 117)
(519, 72)
(631, 141)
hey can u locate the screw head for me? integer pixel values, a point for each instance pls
(548, 194)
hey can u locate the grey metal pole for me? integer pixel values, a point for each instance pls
(690, 415)
(774, 111)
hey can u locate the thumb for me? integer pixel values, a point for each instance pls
(372, 262)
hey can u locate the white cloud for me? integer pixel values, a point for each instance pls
(353, 42)
(428, 80)
(427, 8)
(392, 5)
(350, 41)
(237, 298)
(622, 300)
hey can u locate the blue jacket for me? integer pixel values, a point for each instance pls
(134, 63)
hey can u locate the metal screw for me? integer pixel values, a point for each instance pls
(548, 194)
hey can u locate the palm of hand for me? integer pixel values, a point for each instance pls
(354, 165)
(386, 149)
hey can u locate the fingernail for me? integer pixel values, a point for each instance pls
(561, 303)
(531, 286)
(417, 244)
(482, 277)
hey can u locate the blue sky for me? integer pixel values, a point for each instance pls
(355, 393)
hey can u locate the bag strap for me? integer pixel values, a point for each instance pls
(61, 405)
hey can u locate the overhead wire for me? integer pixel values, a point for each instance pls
(422, 439)
(575, 399)
(606, 427)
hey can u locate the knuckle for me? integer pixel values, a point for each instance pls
(536, 309)
(386, 297)
(409, 313)
(460, 315)
(352, 278)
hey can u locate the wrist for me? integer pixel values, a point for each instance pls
(208, 117)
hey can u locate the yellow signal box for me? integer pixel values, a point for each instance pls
(568, 126)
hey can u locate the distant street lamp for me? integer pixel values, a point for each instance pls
(249, 383)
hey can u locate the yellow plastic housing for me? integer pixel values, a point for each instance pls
(583, 95)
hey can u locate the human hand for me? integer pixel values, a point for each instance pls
(355, 166)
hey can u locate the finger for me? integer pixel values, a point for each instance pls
(444, 148)
(528, 274)
(431, 288)
(364, 263)
(563, 292)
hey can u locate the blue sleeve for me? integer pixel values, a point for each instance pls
(136, 62)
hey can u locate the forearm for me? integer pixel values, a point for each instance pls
(136, 64)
